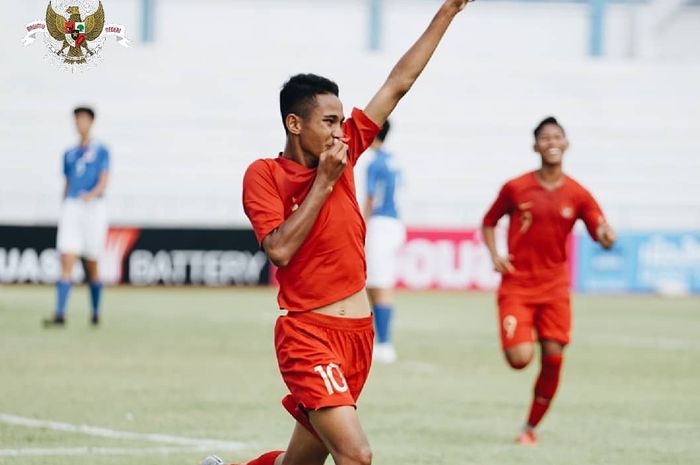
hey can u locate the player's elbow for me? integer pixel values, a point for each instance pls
(280, 263)
(487, 228)
(277, 252)
(278, 256)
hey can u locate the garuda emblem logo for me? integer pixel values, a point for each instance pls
(74, 32)
(76, 40)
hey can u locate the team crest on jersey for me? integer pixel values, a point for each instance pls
(75, 42)
(90, 155)
(567, 212)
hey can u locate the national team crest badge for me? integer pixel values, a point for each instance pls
(75, 41)
(567, 212)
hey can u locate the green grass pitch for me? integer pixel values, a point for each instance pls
(198, 363)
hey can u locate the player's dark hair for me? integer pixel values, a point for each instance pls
(298, 94)
(86, 110)
(545, 122)
(384, 131)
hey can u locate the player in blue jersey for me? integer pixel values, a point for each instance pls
(385, 236)
(82, 227)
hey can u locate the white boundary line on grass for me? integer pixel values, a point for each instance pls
(113, 434)
(85, 450)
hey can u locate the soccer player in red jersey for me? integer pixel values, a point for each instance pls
(304, 211)
(533, 298)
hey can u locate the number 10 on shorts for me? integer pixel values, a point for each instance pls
(328, 375)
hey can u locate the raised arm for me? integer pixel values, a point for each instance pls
(412, 63)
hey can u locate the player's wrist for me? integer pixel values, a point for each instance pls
(323, 185)
(450, 8)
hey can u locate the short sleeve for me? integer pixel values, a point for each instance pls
(591, 213)
(261, 200)
(104, 160)
(501, 206)
(361, 132)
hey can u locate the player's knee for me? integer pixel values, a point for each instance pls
(550, 347)
(66, 271)
(518, 364)
(360, 455)
(365, 457)
(518, 361)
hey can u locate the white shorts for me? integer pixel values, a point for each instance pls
(385, 236)
(82, 228)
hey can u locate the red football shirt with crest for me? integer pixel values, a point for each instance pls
(540, 222)
(330, 264)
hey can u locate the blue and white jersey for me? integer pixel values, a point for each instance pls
(82, 167)
(383, 179)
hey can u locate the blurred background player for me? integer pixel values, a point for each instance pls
(305, 214)
(534, 296)
(82, 226)
(385, 236)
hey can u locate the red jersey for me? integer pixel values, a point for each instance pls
(330, 264)
(540, 222)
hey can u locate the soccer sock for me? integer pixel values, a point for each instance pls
(95, 292)
(382, 318)
(545, 388)
(62, 290)
(267, 458)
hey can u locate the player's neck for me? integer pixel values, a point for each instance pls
(84, 141)
(295, 153)
(550, 176)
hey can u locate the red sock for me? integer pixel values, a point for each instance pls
(267, 458)
(545, 388)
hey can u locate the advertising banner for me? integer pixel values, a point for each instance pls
(660, 262)
(140, 256)
(446, 259)
(666, 263)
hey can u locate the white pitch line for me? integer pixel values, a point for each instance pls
(72, 451)
(112, 434)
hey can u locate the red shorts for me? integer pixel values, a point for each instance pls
(324, 360)
(524, 319)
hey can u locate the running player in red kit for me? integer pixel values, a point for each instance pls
(304, 211)
(533, 299)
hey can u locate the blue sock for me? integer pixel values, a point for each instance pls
(62, 290)
(382, 318)
(95, 291)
